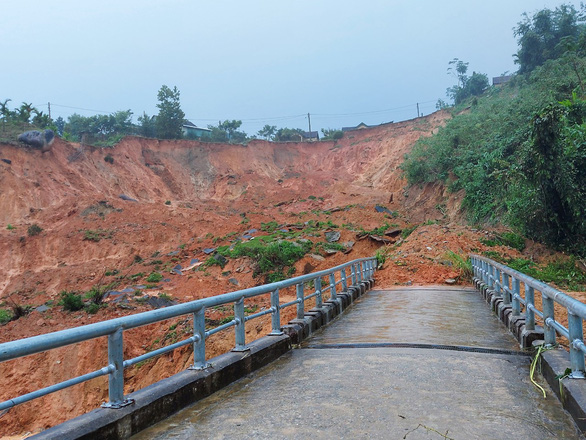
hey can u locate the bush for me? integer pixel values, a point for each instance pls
(154, 277)
(71, 301)
(109, 159)
(5, 316)
(34, 229)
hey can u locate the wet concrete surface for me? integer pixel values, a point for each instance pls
(386, 392)
(432, 315)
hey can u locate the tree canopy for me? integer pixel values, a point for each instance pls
(545, 35)
(169, 121)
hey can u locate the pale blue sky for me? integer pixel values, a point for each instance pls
(261, 61)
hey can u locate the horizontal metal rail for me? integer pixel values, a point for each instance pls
(506, 282)
(360, 269)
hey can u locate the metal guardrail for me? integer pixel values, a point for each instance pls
(360, 270)
(506, 282)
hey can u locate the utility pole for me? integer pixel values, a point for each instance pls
(309, 119)
(417, 109)
(49, 105)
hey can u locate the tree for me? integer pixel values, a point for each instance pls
(227, 131)
(289, 134)
(331, 134)
(539, 36)
(268, 132)
(4, 109)
(41, 120)
(170, 118)
(467, 86)
(25, 111)
(60, 125)
(148, 125)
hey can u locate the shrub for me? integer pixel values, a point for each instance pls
(10, 227)
(109, 159)
(5, 316)
(71, 301)
(34, 229)
(154, 277)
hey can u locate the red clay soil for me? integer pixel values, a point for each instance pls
(190, 196)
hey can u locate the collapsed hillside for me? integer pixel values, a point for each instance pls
(113, 218)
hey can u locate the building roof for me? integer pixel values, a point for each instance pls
(310, 135)
(359, 126)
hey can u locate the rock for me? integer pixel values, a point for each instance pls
(332, 236)
(393, 233)
(128, 199)
(208, 251)
(220, 259)
(330, 251)
(42, 308)
(379, 208)
(450, 281)
(38, 139)
(233, 281)
(348, 246)
(8, 161)
(173, 253)
(177, 270)
(157, 302)
(317, 257)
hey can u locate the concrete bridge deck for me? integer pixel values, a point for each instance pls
(409, 363)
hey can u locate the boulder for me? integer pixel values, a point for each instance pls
(38, 139)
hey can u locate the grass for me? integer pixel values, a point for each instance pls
(154, 277)
(463, 264)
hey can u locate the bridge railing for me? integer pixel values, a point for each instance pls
(506, 282)
(360, 270)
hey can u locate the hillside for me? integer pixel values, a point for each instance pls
(179, 198)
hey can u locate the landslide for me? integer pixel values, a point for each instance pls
(112, 216)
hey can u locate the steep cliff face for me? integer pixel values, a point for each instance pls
(180, 197)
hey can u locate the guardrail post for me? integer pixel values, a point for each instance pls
(276, 317)
(359, 272)
(333, 294)
(301, 303)
(548, 312)
(497, 282)
(516, 294)
(199, 345)
(353, 274)
(239, 330)
(318, 299)
(116, 376)
(490, 280)
(370, 269)
(505, 289)
(530, 303)
(344, 282)
(576, 355)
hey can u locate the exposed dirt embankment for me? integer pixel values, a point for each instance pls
(179, 198)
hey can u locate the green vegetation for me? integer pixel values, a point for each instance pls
(519, 151)
(274, 261)
(169, 121)
(34, 229)
(562, 272)
(10, 227)
(331, 134)
(5, 316)
(462, 263)
(97, 235)
(509, 239)
(154, 277)
(71, 301)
